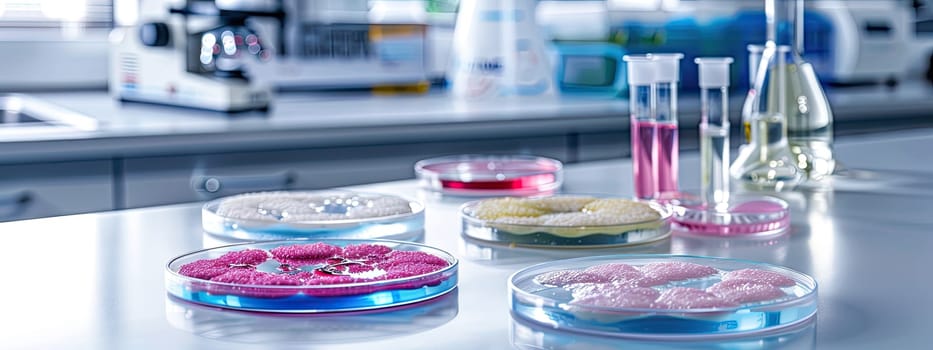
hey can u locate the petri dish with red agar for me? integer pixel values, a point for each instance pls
(313, 276)
(490, 175)
(565, 221)
(663, 297)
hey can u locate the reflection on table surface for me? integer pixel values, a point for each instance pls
(328, 328)
(527, 336)
(492, 254)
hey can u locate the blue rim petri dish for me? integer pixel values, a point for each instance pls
(374, 291)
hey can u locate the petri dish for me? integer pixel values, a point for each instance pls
(565, 221)
(283, 215)
(312, 276)
(490, 175)
(743, 215)
(677, 297)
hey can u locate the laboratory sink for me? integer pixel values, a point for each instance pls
(14, 117)
(24, 115)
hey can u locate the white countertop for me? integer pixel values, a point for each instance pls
(95, 281)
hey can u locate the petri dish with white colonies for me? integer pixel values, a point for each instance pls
(281, 215)
(490, 175)
(565, 221)
(663, 297)
(312, 276)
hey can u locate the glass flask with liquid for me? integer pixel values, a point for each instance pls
(798, 95)
(767, 163)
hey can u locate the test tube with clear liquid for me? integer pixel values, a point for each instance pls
(714, 133)
(642, 111)
(717, 211)
(667, 78)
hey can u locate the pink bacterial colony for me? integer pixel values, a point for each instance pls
(769, 277)
(333, 265)
(626, 286)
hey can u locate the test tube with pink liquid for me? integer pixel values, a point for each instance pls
(653, 81)
(667, 78)
(642, 111)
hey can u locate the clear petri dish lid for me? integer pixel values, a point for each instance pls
(565, 221)
(312, 276)
(490, 175)
(663, 297)
(744, 215)
(278, 215)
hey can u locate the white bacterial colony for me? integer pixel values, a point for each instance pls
(310, 207)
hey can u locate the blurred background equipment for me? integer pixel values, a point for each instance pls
(847, 42)
(330, 44)
(195, 55)
(869, 41)
(585, 62)
(303, 44)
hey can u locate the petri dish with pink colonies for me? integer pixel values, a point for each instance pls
(663, 297)
(312, 276)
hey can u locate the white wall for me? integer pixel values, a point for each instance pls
(54, 63)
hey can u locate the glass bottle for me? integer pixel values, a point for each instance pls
(498, 51)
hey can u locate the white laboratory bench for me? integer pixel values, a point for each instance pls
(95, 281)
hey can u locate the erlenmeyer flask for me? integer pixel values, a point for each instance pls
(809, 116)
(766, 163)
(798, 95)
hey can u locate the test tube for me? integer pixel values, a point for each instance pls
(667, 77)
(714, 131)
(642, 109)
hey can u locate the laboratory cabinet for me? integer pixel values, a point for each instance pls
(149, 181)
(50, 189)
